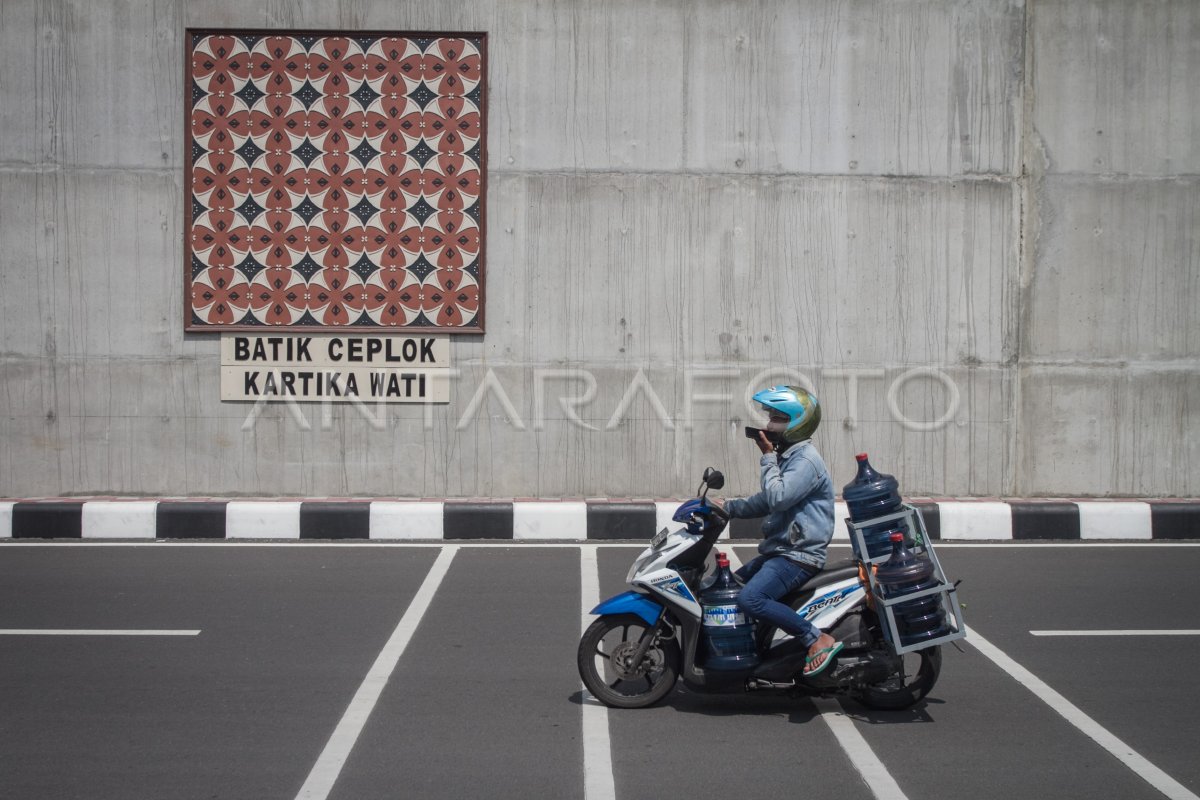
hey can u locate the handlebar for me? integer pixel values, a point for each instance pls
(720, 512)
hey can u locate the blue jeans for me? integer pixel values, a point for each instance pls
(768, 578)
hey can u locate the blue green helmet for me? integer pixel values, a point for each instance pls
(801, 408)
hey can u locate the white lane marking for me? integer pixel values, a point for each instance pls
(873, 772)
(1088, 726)
(598, 783)
(329, 764)
(1177, 632)
(90, 632)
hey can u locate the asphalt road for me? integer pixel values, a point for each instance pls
(484, 700)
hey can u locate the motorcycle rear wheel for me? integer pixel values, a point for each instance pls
(907, 686)
(605, 656)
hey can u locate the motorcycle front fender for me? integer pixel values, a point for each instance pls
(630, 603)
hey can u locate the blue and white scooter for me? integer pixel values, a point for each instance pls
(647, 638)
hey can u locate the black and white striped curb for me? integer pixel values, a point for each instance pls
(555, 520)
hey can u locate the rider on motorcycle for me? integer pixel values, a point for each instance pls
(797, 503)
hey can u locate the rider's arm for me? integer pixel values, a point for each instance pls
(780, 488)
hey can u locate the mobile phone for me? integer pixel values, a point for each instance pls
(752, 433)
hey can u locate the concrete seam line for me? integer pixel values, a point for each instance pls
(598, 782)
(1086, 725)
(329, 764)
(873, 772)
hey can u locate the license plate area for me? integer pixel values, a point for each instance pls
(659, 539)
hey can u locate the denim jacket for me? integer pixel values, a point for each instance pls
(797, 501)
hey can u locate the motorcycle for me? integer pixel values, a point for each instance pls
(646, 639)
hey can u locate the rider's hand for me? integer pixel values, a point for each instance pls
(764, 445)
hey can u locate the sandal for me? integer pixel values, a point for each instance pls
(828, 652)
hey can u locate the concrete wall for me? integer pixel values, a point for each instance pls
(682, 195)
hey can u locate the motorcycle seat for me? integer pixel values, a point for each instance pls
(837, 571)
(833, 572)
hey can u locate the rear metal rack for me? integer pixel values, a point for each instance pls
(917, 539)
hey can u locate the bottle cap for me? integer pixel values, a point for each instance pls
(897, 537)
(722, 560)
(861, 456)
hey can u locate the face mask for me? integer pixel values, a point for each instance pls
(775, 429)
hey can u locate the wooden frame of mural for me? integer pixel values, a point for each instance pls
(335, 179)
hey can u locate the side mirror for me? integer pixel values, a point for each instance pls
(713, 478)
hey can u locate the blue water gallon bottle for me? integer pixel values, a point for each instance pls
(727, 637)
(907, 572)
(873, 494)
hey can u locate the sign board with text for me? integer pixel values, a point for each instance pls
(335, 368)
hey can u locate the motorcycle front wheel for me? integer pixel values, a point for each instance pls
(605, 662)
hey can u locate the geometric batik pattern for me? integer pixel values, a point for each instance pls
(335, 181)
